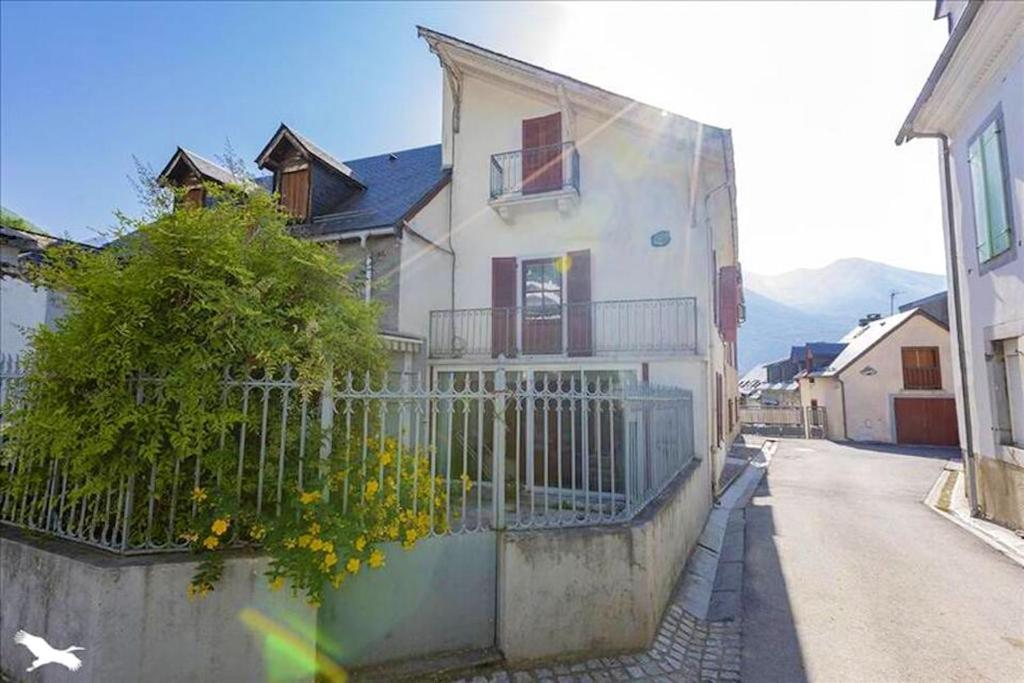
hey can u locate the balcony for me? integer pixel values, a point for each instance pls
(596, 328)
(535, 175)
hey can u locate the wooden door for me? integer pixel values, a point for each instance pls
(926, 421)
(295, 193)
(542, 154)
(542, 306)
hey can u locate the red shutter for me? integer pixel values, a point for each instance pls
(728, 292)
(503, 306)
(542, 154)
(577, 296)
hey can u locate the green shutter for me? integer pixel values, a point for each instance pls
(991, 213)
(995, 196)
(976, 163)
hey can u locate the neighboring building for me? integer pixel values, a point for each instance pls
(936, 305)
(23, 307)
(973, 102)
(892, 383)
(559, 230)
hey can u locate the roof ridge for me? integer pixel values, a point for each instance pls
(396, 152)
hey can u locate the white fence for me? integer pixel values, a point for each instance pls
(506, 449)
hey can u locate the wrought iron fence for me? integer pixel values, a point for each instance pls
(504, 450)
(573, 329)
(535, 170)
(795, 421)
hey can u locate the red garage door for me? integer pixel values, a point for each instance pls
(930, 421)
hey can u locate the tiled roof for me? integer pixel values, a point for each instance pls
(209, 168)
(396, 184)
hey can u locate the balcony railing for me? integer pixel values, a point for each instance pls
(922, 378)
(577, 329)
(535, 171)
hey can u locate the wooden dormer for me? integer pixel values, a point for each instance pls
(309, 180)
(189, 171)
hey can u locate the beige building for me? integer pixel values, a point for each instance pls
(973, 104)
(893, 383)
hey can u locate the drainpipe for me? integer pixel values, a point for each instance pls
(970, 462)
(842, 397)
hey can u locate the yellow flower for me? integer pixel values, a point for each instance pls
(410, 536)
(219, 526)
(393, 531)
(352, 565)
(198, 494)
(330, 559)
(307, 498)
(190, 537)
(304, 540)
(211, 542)
(289, 543)
(376, 559)
(314, 528)
(277, 583)
(316, 544)
(385, 459)
(467, 483)
(371, 488)
(328, 547)
(337, 579)
(360, 543)
(257, 532)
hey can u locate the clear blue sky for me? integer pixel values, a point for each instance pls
(814, 94)
(83, 87)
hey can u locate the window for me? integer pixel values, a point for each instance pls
(1008, 391)
(542, 306)
(986, 157)
(921, 367)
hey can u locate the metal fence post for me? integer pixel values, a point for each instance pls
(326, 430)
(498, 446)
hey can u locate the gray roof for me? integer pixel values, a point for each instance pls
(397, 185)
(863, 337)
(209, 168)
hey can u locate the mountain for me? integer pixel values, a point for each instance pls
(821, 304)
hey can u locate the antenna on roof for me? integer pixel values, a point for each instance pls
(892, 299)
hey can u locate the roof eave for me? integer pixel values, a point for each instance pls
(907, 131)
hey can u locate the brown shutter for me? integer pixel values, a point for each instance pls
(728, 292)
(295, 193)
(577, 296)
(542, 154)
(503, 306)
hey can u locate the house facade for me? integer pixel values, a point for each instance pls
(892, 383)
(973, 103)
(590, 235)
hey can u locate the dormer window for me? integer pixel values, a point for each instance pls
(187, 171)
(309, 181)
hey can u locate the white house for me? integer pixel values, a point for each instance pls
(893, 383)
(587, 234)
(973, 103)
(23, 307)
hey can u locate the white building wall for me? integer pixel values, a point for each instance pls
(22, 309)
(993, 301)
(633, 182)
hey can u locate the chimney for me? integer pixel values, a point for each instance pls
(869, 318)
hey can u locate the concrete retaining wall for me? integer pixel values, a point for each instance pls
(557, 592)
(136, 623)
(598, 589)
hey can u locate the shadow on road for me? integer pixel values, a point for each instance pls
(931, 452)
(771, 645)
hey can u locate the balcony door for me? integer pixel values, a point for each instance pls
(542, 154)
(542, 306)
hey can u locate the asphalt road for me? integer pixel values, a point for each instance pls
(849, 577)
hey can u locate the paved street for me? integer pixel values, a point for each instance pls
(849, 577)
